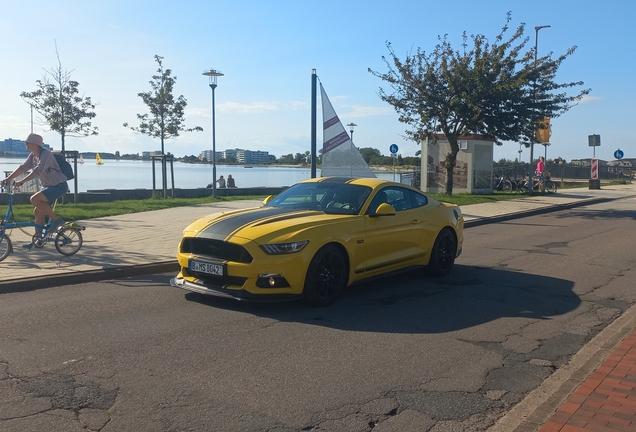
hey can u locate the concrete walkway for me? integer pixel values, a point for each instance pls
(144, 243)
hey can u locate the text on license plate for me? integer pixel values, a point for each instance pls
(203, 267)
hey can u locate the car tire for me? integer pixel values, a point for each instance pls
(443, 253)
(326, 276)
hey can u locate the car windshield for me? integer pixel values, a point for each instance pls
(332, 198)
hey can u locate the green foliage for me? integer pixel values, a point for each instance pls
(495, 90)
(368, 153)
(57, 99)
(166, 119)
(286, 159)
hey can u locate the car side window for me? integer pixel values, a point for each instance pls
(418, 200)
(399, 198)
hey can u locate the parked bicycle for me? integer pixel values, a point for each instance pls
(549, 185)
(67, 238)
(502, 184)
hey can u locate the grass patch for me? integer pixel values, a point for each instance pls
(468, 199)
(82, 211)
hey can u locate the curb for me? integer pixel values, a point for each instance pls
(541, 403)
(74, 278)
(549, 209)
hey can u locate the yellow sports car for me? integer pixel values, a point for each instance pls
(317, 237)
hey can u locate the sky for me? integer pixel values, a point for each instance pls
(267, 50)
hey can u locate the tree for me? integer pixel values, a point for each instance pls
(165, 119)
(299, 158)
(495, 90)
(367, 153)
(57, 99)
(287, 159)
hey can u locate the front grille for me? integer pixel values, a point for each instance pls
(215, 249)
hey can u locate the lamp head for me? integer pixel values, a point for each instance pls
(213, 74)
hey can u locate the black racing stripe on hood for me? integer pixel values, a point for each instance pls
(223, 228)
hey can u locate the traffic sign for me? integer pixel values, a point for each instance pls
(594, 140)
(393, 148)
(618, 154)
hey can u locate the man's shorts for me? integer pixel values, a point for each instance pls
(54, 192)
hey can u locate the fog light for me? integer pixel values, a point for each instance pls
(271, 281)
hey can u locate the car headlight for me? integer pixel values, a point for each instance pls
(284, 248)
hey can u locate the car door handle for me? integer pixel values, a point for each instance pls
(415, 221)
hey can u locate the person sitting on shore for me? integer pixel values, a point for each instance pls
(230, 181)
(221, 182)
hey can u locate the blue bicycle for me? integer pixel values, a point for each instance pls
(68, 238)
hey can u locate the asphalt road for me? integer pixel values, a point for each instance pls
(405, 353)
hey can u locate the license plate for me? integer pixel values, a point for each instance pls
(203, 267)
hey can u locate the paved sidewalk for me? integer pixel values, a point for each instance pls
(144, 243)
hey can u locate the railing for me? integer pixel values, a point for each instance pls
(558, 173)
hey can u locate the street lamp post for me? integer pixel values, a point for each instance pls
(351, 126)
(536, 44)
(213, 74)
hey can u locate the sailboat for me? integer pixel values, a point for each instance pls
(99, 159)
(340, 157)
(81, 159)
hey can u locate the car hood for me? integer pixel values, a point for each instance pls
(261, 225)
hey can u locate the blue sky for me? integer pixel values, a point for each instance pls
(267, 49)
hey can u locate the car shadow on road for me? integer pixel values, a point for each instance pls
(414, 302)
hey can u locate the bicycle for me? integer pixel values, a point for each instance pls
(502, 184)
(68, 238)
(549, 185)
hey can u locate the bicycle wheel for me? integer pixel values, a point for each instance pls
(68, 241)
(550, 186)
(5, 247)
(507, 186)
(522, 186)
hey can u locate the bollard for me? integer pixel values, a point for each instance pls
(595, 184)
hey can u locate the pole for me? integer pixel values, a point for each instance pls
(213, 86)
(424, 167)
(213, 74)
(314, 78)
(393, 155)
(536, 44)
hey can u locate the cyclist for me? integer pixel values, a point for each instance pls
(41, 163)
(540, 171)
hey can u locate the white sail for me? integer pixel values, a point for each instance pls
(339, 156)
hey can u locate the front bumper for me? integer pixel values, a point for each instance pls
(240, 295)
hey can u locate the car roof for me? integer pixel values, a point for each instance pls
(362, 181)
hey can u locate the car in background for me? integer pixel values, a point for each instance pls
(316, 238)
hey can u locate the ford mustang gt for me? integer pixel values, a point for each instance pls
(316, 238)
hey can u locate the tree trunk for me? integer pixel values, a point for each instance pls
(449, 163)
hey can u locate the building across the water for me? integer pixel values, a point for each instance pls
(13, 147)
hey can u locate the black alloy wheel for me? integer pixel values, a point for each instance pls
(326, 276)
(443, 253)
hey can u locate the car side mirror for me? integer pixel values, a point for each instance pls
(268, 199)
(384, 209)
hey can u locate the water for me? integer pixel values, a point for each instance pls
(129, 174)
